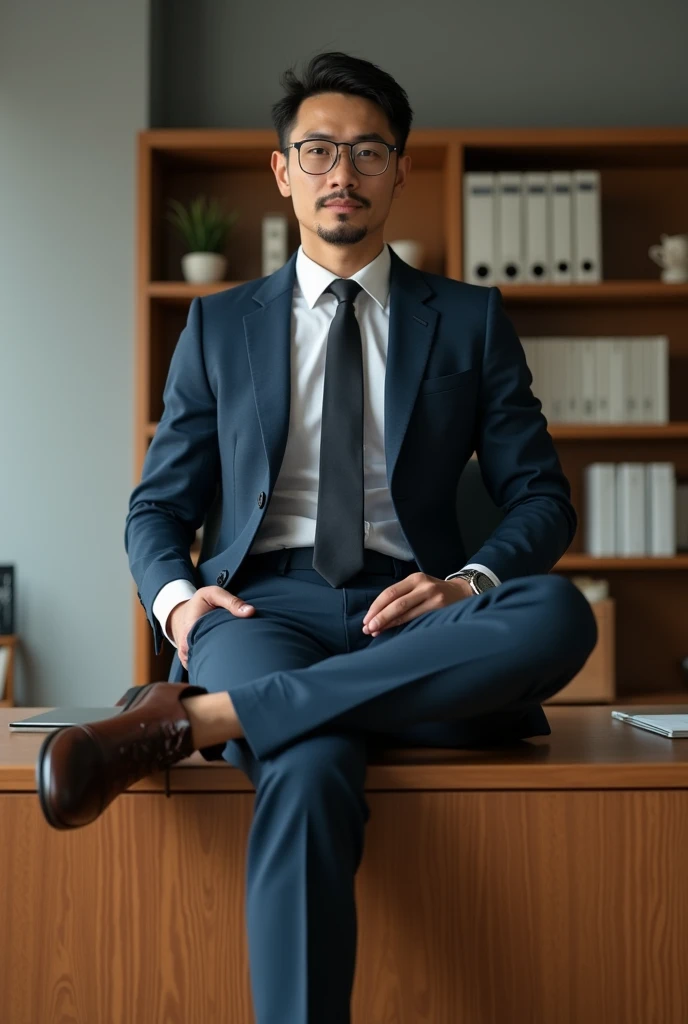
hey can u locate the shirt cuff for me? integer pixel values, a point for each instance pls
(476, 565)
(169, 597)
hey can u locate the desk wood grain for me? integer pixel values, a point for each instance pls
(545, 884)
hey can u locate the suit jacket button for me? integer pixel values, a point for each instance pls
(222, 578)
(261, 499)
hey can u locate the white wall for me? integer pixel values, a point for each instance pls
(73, 94)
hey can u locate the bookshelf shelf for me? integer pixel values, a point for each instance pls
(183, 292)
(618, 431)
(626, 292)
(606, 291)
(592, 562)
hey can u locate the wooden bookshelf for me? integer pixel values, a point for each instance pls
(642, 178)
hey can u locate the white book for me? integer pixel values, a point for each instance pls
(648, 384)
(634, 356)
(509, 257)
(617, 380)
(600, 509)
(573, 370)
(630, 509)
(588, 392)
(537, 200)
(658, 347)
(587, 227)
(479, 227)
(561, 226)
(603, 374)
(660, 494)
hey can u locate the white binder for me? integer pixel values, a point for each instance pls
(660, 492)
(573, 373)
(509, 260)
(656, 379)
(537, 203)
(617, 380)
(630, 508)
(587, 228)
(561, 226)
(634, 357)
(479, 227)
(603, 350)
(589, 383)
(600, 509)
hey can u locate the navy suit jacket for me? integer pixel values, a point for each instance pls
(456, 382)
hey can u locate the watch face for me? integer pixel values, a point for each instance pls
(482, 581)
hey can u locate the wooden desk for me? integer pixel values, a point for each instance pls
(546, 884)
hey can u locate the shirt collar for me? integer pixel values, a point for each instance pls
(373, 278)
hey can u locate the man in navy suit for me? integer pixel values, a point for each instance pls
(335, 404)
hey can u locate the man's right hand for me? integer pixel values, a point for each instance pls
(184, 614)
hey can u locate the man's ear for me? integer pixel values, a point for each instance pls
(280, 168)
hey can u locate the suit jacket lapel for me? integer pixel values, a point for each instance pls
(412, 326)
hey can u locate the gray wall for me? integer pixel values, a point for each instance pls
(491, 64)
(73, 93)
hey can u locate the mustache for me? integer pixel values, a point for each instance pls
(343, 199)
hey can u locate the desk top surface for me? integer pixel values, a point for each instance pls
(587, 749)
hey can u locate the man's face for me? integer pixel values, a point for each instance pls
(341, 118)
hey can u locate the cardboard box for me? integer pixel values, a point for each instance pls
(596, 681)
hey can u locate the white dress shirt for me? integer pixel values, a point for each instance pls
(291, 517)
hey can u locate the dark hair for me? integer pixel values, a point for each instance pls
(339, 72)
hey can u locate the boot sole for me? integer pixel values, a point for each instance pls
(130, 698)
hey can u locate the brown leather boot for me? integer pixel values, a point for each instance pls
(82, 768)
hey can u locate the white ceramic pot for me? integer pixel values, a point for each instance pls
(204, 267)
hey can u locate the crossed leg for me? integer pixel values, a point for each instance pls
(514, 645)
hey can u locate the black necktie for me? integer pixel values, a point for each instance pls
(338, 552)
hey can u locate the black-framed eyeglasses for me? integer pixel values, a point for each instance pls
(320, 155)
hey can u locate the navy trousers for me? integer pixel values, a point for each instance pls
(314, 695)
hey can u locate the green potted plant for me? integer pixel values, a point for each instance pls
(204, 226)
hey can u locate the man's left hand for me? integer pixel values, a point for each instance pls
(411, 597)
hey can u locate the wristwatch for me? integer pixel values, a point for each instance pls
(479, 581)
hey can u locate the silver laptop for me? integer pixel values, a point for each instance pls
(46, 721)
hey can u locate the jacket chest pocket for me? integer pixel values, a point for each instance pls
(447, 382)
